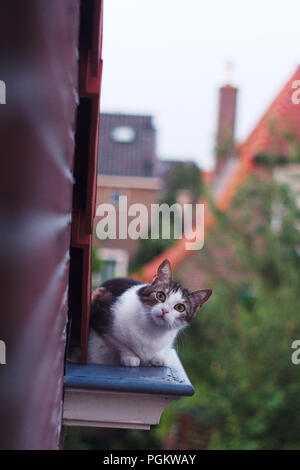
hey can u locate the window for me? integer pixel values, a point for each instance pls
(108, 270)
(115, 197)
(123, 134)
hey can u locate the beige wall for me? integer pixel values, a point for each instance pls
(138, 190)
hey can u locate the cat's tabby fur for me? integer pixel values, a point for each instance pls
(136, 324)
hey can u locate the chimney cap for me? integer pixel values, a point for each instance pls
(228, 73)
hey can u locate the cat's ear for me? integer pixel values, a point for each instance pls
(199, 297)
(100, 293)
(164, 272)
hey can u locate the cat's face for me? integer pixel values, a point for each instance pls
(168, 304)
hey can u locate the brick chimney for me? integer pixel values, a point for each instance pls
(226, 125)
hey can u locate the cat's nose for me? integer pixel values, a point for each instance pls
(164, 311)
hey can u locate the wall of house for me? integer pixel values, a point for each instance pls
(137, 190)
(39, 66)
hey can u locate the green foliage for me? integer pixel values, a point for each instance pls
(77, 438)
(96, 261)
(183, 177)
(238, 353)
(281, 139)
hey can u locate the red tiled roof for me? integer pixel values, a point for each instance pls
(286, 117)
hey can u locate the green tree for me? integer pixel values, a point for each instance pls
(187, 177)
(96, 261)
(238, 353)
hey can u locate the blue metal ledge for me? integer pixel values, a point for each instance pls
(171, 380)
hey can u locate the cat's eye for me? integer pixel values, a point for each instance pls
(180, 308)
(160, 296)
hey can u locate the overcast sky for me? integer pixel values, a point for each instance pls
(167, 58)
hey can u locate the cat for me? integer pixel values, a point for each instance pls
(135, 324)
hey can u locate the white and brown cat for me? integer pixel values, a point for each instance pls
(136, 324)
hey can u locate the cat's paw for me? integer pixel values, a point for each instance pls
(159, 361)
(130, 361)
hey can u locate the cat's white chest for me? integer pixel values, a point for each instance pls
(131, 327)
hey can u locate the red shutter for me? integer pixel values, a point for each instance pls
(86, 157)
